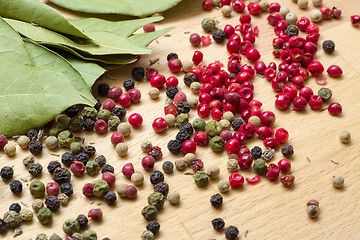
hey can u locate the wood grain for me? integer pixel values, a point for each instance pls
(267, 210)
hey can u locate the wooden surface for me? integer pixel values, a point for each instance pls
(268, 210)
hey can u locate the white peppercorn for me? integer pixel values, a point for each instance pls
(124, 128)
(315, 16)
(302, 3)
(228, 116)
(41, 236)
(223, 185)
(291, 18)
(51, 142)
(284, 11)
(154, 93)
(255, 120)
(137, 178)
(264, 5)
(147, 235)
(10, 149)
(195, 87)
(232, 165)
(345, 136)
(213, 172)
(146, 145)
(317, 3)
(23, 141)
(63, 198)
(180, 164)
(26, 214)
(187, 65)
(121, 149)
(226, 11)
(338, 181)
(37, 204)
(173, 197)
(192, 101)
(189, 157)
(170, 120)
(216, 2)
(225, 124)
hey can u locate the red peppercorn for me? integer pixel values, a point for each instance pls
(245, 160)
(336, 13)
(227, 135)
(175, 65)
(197, 57)
(326, 12)
(240, 137)
(109, 178)
(150, 27)
(232, 46)
(101, 126)
(248, 129)
(201, 138)
(312, 28)
(216, 114)
(114, 93)
(232, 146)
(229, 30)
(95, 214)
(263, 132)
(303, 23)
(170, 109)
(207, 5)
(253, 55)
(131, 191)
(299, 103)
(125, 100)
(172, 81)
(274, 18)
(159, 125)
(274, 7)
(254, 8)
(238, 5)
(195, 39)
(197, 165)
(271, 142)
(355, 20)
(255, 103)
(180, 97)
(158, 80)
(256, 111)
(273, 172)
(52, 188)
(244, 149)
(284, 165)
(306, 92)
(88, 190)
(225, 2)
(315, 68)
(334, 71)
(236, 180)
(150, 72)
(77, 168)
(253, 180)
(315, 102)
(189, 146)
(269, 73)
(3, 141)
(245, 18)
(313, 37)
(335, 109)
(128, 170)
(267, 118)
(282, 135)
(148, 163)
(203, 110)
(109, 104)
(117, 137)
(135, 95)
(135, 120)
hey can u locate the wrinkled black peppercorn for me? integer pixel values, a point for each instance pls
(107, 168)
(292, 30)
(236, 123)
(256, 152)
(82, 157)
(66, 188)
(156, 177)
(168, 167)
(189, 78)
(88, 124)
(120, 112)
(171, 92)
(174, 146)
(110, 197)
(287, 150)
(219, 35)
(231, 232)
(97, 106)
(138, 73)
(89, 150)
(52, 166)
(16, 186)
(103, 89)
(182, 137)
(328, 46)
(83, 221)
(52, 203)
(216, 200)
(72, 111)
(15, 207)
(32, 134)
(67, 159)
(35, 169)
(188, 128)
(171, 56)
(162, 188)
(7, 173)
(35, 147)
(153, 226)
(183, 107)
(129, 84)
(218, 223)
(101, 160)
(62, 175)
(2, 226)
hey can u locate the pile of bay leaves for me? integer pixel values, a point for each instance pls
(49, 62)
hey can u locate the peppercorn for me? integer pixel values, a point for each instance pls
(183, 107)
(156, 177)
(223, 185)
(189, 158)
(120, 112)
(287, 151)
(6, 173)
(219, 35)
(71, 226)
(44, 215)
(61, 175)
(156, 199)
(236, 123)
(174, 146)
(107, 168)
(15, 207)
(337, 181)
(147, 235)
(12, 219)
(52, 203)
(72, 111)
(168, 167)
(187, 127)
(216, 200)
(154, 92)
(66, 138)
(100, 188)
(63, 198)
(82, 157)
(312, 210)
(256, 152)
(89, 235)
(155, 152)
(292, 30)
(103, 89)
(162, 188)
(180, 164)
(201, 178)
(10, 149)
(129, 84)
(103, 114)
(149, 212)
(26, 214)
(16, 187)
(208, 24)
(213, 172)
(287, 180)
(268, 154)
(37, 189)
(92, 168)
(88, 124)
(77, 236)
(95, 214)
(217, 144)
(76, 124)
(110, 197)
(64, 120)
(101, 160)
(316, 15)
(51, 142)
(153, 226)
(232, 165)
(35, 147)
(328, 46)
(325, 94)
(225, 124)
(181, 119)
(182, 137)
(32, 134)
(55, 237)
(76, 148)
(113, 122)
(189, 78)
(259, 166)
(35, 169)
(56, 128)
(138, 73)
(218, 223)
(121, 149)
(171, 92)
(53, 165)
(187, 65)
(66, 188)
(231, 232)
(37, 205)
(82, 220)
(89, 112)
(2, 226)
(137, 178)
(345, 136)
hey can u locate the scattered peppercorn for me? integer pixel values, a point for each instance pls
(51, 142)
(325, 94)
(110, 197)
(16, 187)
(35, 147)
(52, 203)
(287, 151)
(71, 226)
(223, 185)
(153, 226)
(28, 160)
(120, 112)
(156, 177)
(174, 146)
(218, 223)
(10, 149)
(35, 169)
(154, 92)
(337, 181)
(107, 168)
(92, 168)
(23, 141)
(219, 35)
(268, 154)
(156, 199)
(312, 210)
(256, 152)
(182, 137)
(88, 124)
(208, 24)
(259, 166)
(55, 237)
(236, 123)
(15, 207)
(26, 214)
(147, 235)
(76, 124)
(217, 144)
(129, 84)
(6, 173)
(138, 73)
(100, 187)
(287, 180)
(216, 200)
(82, 157)
(328, 46)
(171, 56)
(66, 188)
(137, 178)
(183, 107)
(89, 235)
(103, 89)
(231, 232)
(32, 134)
(72, 111)
(292, 30)
(44, 215)
(62, 175)
(187, 127)
(37, 205)
(121, 149)
(180, 164)
(232, 165)
(168, 167)
(89, 112)
(12, 219)
(189, 78)
(67, 159)
(171, 92)
(162, 188)
(83, 221)
(155, 152)
(95, 214)
(52, 166)
(101, 160)
(37, 189)
(149, 212)
(201, 178)
(345, 136)
(213, 172)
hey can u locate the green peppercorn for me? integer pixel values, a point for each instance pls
(147, 235)
(292, 30)
(104, 114)
(181, 119)
(208, 24)
(76, 124)
(12, 219)
(44, 215)
(56, 128)
(113, 122)
(89, 112)
(64, 120)
(325, 94)
(66, 138)
(89, 235)
(217, 144)
(199, 124)
(71, 226)
(55, 237)
(338, 181)
(76, 148)
(201, 178)
(37, 189)
(100, 188)
(259, 166)
(92, 168)
(149, 212)
(213, 128)
(156, 199)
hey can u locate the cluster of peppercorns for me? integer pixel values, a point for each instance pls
(230, 232)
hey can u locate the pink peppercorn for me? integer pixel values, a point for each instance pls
(158, 80)
(236, 180)
(334, 71)
(95, 214)
(3, 141)
(274, 7)
(88, 190)
(77, 168)
(135, 120)
(273, 172)
(180, 97)
(128, 170)
(232, 146)
(116, 138)
(175, 65)
(253, 55)
(216, 114)
(282, 101)
(101, 126)
(109, 104)
(306, 92)
(124, 100)
(355, 20)
(195, 39)
(189, 146)
(171, 81)
(115, 92)
(254, 8)
(238, 5)
(203, 110)
(245, 160)
(131, 191)
(336, 13)
(315, 102)
(299, 103)
(52, 188)
(197, 57)
(313, 202)
(148, 163)
(150, 27)
(326, 12)
(201, 138)
(225, 2)
(282, 135)
(298, 81)
(303, 23)
(264, 132)
(135, 95)
(335, 109)
(284, 165)
(226, 135)
(159, 124)
(150, 72)
(271, 142)
(109, 178)
(229, 30)
(207, 5)
(267, 118)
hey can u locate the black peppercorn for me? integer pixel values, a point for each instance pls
(52, 166)
(110, 197)
(174, 146)
(2, 226)
(231, 232)
(66, 188)
(171, 92)
(129, 84)
(156, 177)
(103, 89)
(182, 137)
(15, 207)
(219, 35)
(162, 188)
(287, 151)
(188, 128)
(32, 134)
(138, 73)
(120, 112)
(153, 226)
(155, 152)
(67, 159)
(183, 107)
(61, 175)
(88, 124)
(83, 221)
(216, 200)
(7, 173)
(236, 123)
(82, 157)
(218, 223)
(72, 111)
(52, 203)
(89, 150)
(328, 46)
(171, 56)
(35, 147)
(107, 168)
(101, 160)
(189, 78)
(168, 167)
(97, 105)
(292, 30)
(16, 186)
(256, 152)
(35, 169)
